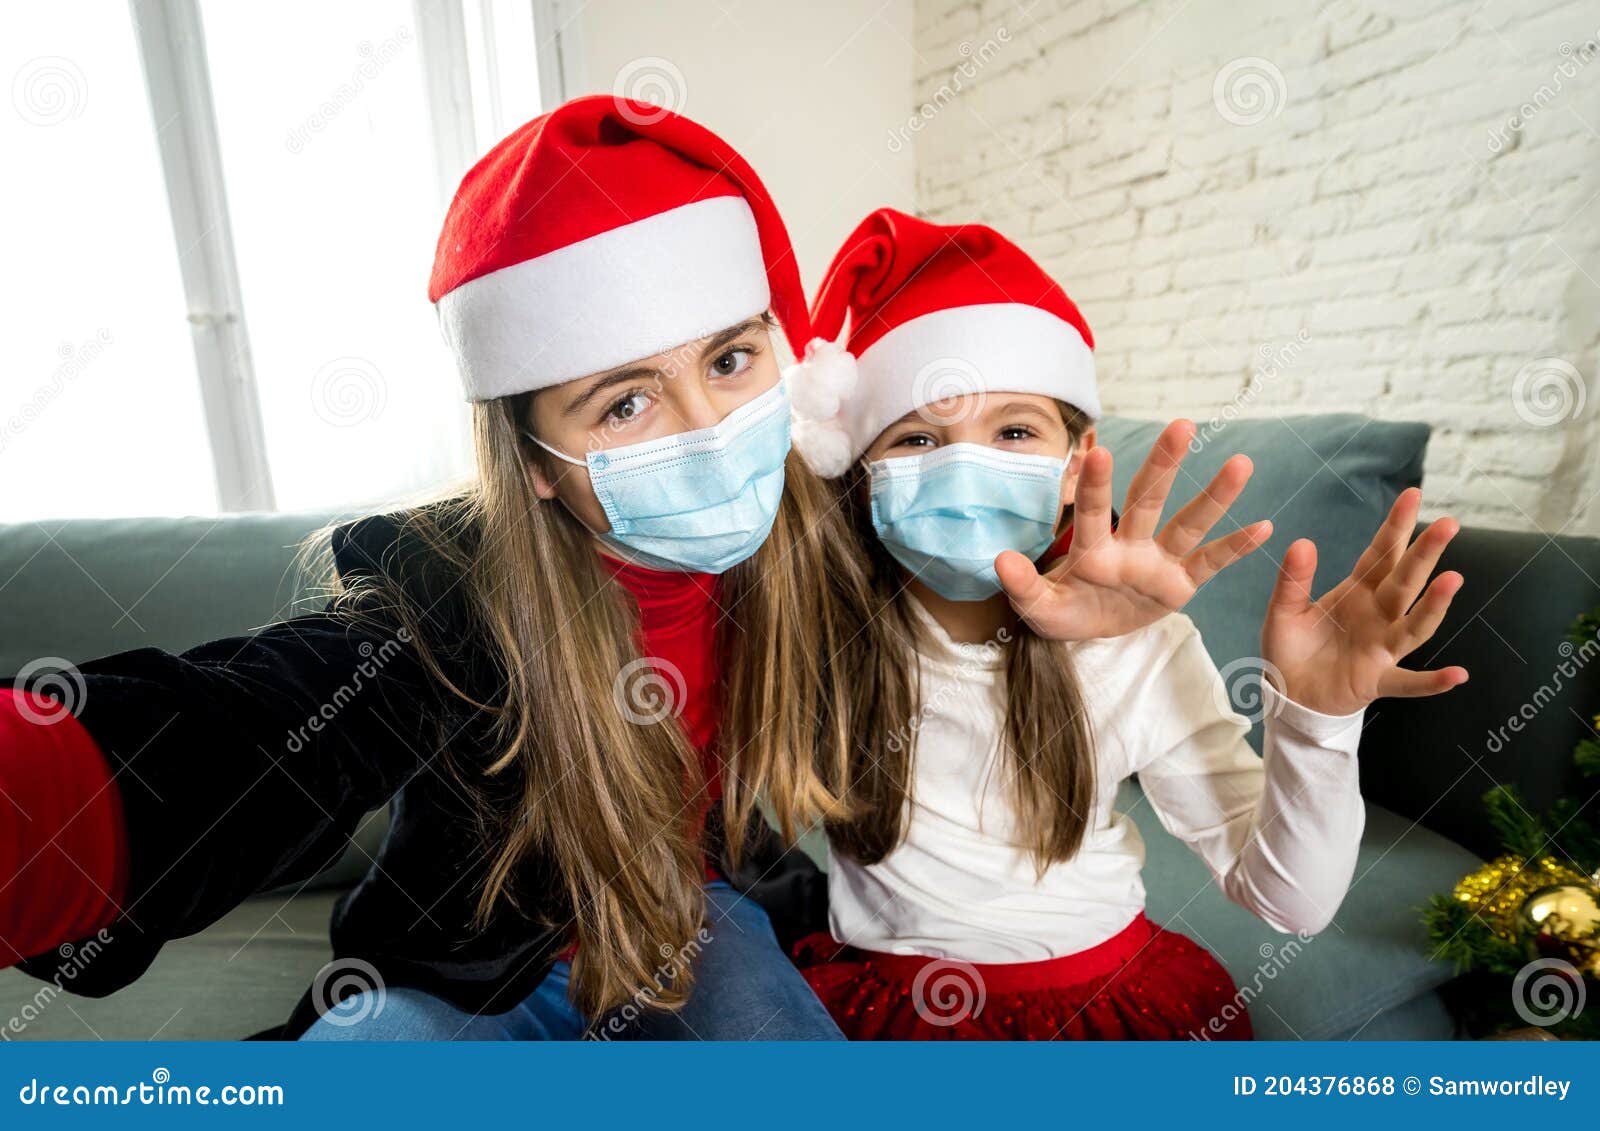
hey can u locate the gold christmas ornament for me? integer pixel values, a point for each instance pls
(1565, 920)
(1498, 890)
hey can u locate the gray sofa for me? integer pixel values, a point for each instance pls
(76, 589)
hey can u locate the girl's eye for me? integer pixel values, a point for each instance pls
(915, 440)
(628, 407)
(1016, 432)
(732, 363)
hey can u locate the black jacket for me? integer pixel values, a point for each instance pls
(247, 763)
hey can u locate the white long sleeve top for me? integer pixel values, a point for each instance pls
(1279, 832)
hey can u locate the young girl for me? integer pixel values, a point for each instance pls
(550, 678)
(983, 886)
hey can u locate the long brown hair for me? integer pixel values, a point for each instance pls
(605, 795)
(1050, 746)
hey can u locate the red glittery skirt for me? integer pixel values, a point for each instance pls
(1143, 984)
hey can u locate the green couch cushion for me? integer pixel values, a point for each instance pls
(77, 589)
(1331, 478)
(243, 974)
(1372, 960)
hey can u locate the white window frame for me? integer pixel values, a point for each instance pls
(178, 83)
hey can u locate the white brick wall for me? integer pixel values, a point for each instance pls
(1399, 233)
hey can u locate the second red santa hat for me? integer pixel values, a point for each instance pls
(934, 311)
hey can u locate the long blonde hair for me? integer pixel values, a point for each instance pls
(609, 798)
(1049, 752)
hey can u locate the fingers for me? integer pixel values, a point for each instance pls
(1292, 593)
(1216, 556)
(1403, 683)
(1424, 619)
(1398, 590)
(1148, 491)
(1091, 508)
(1191, 524)
(1020, 579)
(1381, 554)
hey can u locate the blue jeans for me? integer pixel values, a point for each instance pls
(745, 989)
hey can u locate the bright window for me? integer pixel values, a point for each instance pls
(327, 134)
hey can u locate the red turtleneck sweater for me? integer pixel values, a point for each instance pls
(63, 845)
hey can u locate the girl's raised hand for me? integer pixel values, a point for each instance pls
(1112, 582)
(1339, 653)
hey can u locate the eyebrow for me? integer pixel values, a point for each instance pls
(721, 341)
(649, 372)
(610, 380)
(1030, 409)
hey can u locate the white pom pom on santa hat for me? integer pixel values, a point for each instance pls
(821, 381)
(825, 446)
(820, 384)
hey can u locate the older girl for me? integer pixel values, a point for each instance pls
(569, 682)
(983, 884)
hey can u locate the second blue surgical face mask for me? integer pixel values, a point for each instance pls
(946, 515)
(697, 502)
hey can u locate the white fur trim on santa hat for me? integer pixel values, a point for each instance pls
(989, 348)
(820, 385)
(622, 295)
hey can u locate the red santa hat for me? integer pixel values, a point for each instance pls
(935, 311)
(602, 232)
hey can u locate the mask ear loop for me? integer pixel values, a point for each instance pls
(553, 451)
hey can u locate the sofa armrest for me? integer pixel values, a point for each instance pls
(1530, 698)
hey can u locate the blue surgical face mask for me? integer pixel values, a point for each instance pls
(948, 514)
(697, 502)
